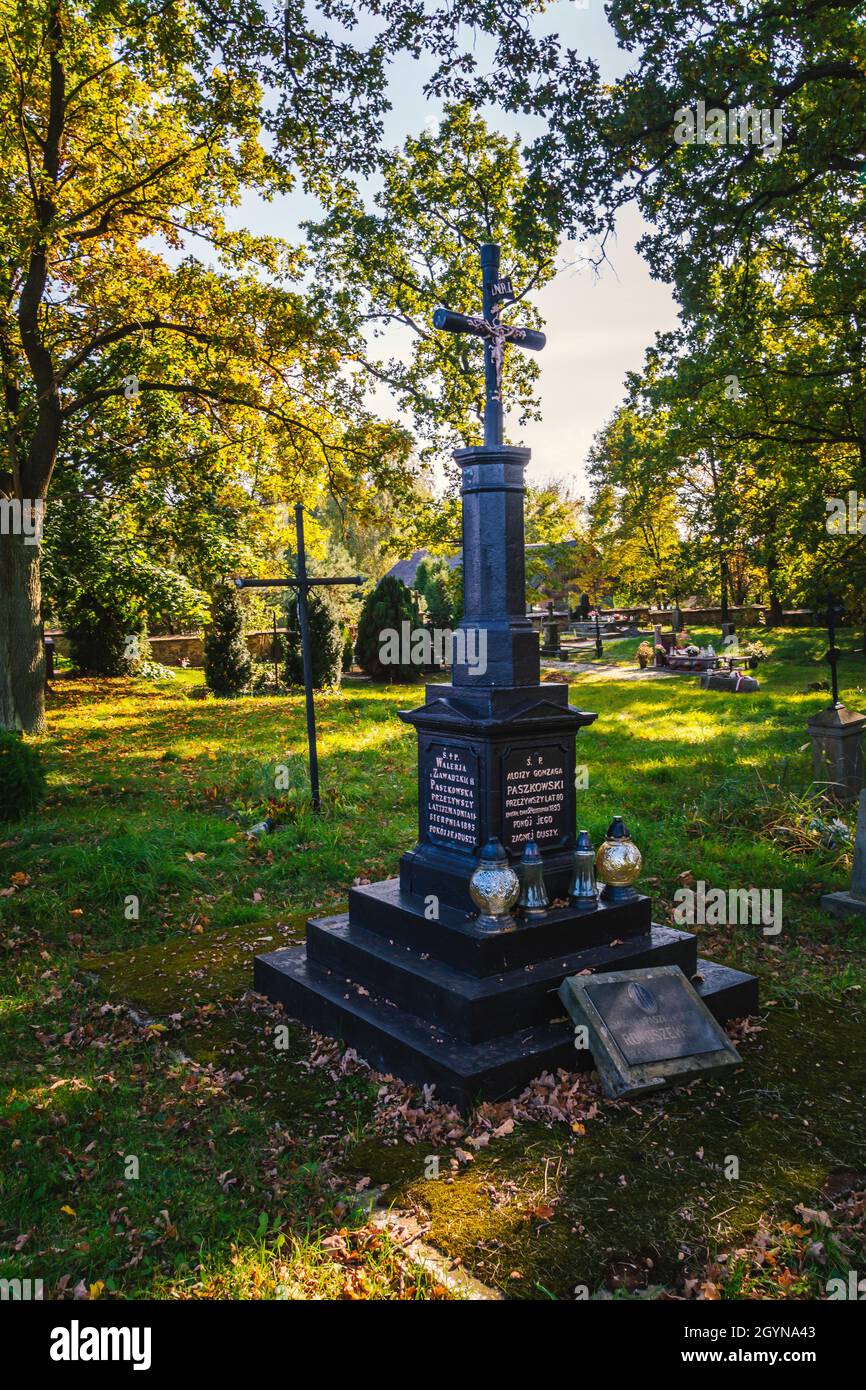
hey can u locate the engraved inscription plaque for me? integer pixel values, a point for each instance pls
(646, 1028)
(653, 1021)
(452, 795)
(534, 796)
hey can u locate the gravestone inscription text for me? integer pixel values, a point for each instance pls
(452, 795)
(534, 796)
(653, 1020)
(646, 1028)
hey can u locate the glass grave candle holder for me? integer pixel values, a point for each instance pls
(618, 864)
(494, 888)
(533, 901)
(583, 893)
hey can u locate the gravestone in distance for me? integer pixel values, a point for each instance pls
(647, 1029)
(551, 628)
(837, 751)
(837, 732)
(734, 682)
(853, 903)
(407, 976)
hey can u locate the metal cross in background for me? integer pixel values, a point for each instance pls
(496, 293)
(303, 584)
(599, 648)
(833, 654)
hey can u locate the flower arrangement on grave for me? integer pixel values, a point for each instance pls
(644, 655)
(754, 651)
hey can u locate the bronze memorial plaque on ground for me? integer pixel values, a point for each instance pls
(646, 1029)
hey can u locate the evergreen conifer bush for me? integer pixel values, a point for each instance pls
(227, 662)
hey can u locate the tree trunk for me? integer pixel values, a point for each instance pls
(723, 577)
(22, 656)
(776, 613)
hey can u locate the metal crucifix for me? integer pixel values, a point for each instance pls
(496, 293)
(303, 584)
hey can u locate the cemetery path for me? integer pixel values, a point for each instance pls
(610, 669)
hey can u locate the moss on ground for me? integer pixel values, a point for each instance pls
(200, 967)
(641, 1198)
(643, 1195)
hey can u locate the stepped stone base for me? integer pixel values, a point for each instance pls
(477, 1014)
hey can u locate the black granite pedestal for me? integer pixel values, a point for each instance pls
(492, 763)
(477, 1014)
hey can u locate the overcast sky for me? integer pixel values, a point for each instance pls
(598, 324)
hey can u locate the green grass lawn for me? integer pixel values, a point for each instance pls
(156, 1141)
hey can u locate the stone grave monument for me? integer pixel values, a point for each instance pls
(416, 976)
(837, 732)
(853, 902)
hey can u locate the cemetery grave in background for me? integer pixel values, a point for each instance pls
(136, 1037)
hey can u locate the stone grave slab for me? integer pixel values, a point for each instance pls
(733, 682)
(647, 1029)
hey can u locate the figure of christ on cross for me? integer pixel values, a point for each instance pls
(495, 294)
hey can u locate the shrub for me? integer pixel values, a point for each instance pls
(434, 582)
(227, 662)
(22, 779)
(326, 641)
(385, 609)
(105, 638)
(107, 590)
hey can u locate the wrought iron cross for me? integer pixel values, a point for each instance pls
(833, 653)
(496, 293)
(303, 583)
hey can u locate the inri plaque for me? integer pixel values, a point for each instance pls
(452, 795)
(534, 796)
